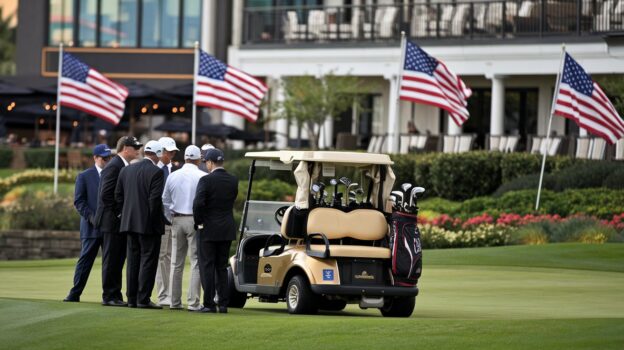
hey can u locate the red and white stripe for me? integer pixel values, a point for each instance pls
(99, 97)
(444, 90)
(594, 113)
(238, 93)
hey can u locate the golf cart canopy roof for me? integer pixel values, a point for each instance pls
(346, 158)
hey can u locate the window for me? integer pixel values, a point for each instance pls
(61, 29)
(115, 23)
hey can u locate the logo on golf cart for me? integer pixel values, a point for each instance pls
(267, 268)
(364, 276)
(328, 275)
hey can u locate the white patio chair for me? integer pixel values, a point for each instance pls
(619, 150)
(316, 24)
(582, 147)
(460, 19)
(369, 28)
(382, 144)
(603, 20)
(445, 21)
(525, 9)
(292, 29)
(386, 27)
(463, 143)
(448, 143)
(553, 147)
(419, 21)
(494, 142)
(597, 149)
(372, 144)
(404, 144)
(536, 142)
(512, 143)
(480, 13)
(422, 142)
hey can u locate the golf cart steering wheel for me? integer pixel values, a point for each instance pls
(279, 214)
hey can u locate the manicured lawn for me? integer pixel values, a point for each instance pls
(8, 172)
(565, 296)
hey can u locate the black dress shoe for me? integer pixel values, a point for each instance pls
(114, 303)
(222, 309)
(208, 310)
(71, 299)
(149, 306)
(132, 305)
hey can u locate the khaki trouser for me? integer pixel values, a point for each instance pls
(163, 273)
(184, 241)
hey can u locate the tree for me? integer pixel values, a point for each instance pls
(310, 101)
(7, 45)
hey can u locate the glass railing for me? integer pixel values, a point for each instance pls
(432, 20)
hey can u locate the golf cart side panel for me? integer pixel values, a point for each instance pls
(370, 291)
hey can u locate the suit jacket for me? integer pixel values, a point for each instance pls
(213, 206)
(139, 194)
(167, 173)
(86, 200)
(106, 216)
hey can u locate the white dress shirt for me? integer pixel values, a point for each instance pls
(124, 160)
(169, 165)
(180, 190)
(99, 170)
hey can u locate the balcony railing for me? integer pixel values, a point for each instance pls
(465, 20)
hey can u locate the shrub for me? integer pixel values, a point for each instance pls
(462, 176)
(514, 165)
(439, 205)
(586, 175)
(39, 157)
(404, 169)
(527, 182)
(422, 171)
(44, 212)
(6, 156)
(35, 175)
(615, 180)
(433, 237)
(574, 229)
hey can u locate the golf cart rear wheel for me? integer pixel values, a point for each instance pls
(299, 297)
(399, 307)
(236, 298)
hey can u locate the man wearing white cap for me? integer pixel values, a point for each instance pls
(204, 149)
(163, 274)
(178, 199)
(139, 195)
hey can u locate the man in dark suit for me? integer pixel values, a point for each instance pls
(139, 194)
(85, 201)
(213, 209)
(107, 222)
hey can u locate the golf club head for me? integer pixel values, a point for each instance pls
(399, 198)
(406, 187)
(316, 188)
(414, 194)
(393, 200)
(333, 182)
(345, 181)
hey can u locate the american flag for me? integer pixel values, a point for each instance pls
(426, 80)
(580, 99)
(226, 88)
(85, 89)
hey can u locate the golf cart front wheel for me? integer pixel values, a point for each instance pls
(399, 307)
(236, 299)
(299, 297)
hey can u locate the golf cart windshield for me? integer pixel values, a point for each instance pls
(261, 217)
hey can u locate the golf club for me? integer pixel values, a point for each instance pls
(316, 191)
(405, 188)
(393, 200)
(414, 194)
(346, 182)
(335, 201)
(399, 198)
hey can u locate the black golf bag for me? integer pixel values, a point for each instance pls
(406, 249)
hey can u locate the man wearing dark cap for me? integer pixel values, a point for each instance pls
(213, 216)
(85, 201)
(107, 222)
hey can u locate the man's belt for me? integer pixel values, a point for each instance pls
(176, 215)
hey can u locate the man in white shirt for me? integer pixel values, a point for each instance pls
(178, 199)
(163, 274)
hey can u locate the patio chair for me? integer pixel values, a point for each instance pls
(619, 150)
(386, 27)
(535, 142)
(371, 29)
(582, 147)
(292, 29)
(445, 21)
(382, 144)
(419, 20)
(553, 145)
(597, 148)
(404, 144)
(512, 143)
(417, 142)
(463, 143)
(480, 15)
(603, 19)
(372, 144)
(316, 24)
(460, 19)
(448, 143)
(494, 142)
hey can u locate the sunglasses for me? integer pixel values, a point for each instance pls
(107, 158)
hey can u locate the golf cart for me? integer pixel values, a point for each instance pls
(318, 253)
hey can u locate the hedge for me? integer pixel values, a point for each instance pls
(44, 157)
(6, 156)
(599, 202)
(36, 175)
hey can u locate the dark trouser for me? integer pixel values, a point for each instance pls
(142, 264)
(213, 260)
(113, 258)
(90, 247)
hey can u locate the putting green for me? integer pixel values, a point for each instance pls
(547, 297)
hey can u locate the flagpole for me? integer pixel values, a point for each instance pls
(397, 110)
(194, 107)
(552, 111)
(58, 118)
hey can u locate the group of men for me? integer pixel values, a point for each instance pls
(153, 214)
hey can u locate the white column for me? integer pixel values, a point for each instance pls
(281, 125)
(453, 129)
(544, 104)
(237, 22)
(393, 123)
(497, 117)
(208, 32)
(238, 122)
(326, 134)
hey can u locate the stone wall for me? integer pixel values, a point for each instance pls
(33, 244)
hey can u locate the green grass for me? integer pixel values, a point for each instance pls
(563, 296)
(8, 172)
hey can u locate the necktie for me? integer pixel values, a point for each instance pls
(165, 170)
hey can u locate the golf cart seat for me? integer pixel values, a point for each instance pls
(334, 224)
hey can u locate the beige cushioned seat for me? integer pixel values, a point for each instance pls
(354, 251)
(362, 224)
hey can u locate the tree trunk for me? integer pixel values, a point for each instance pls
(312, 135)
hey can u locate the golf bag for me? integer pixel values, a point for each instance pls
(406, 249)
